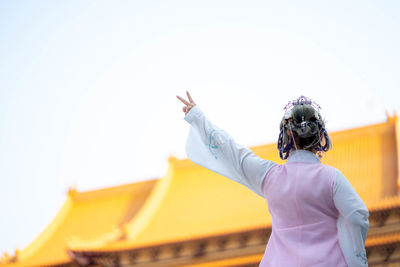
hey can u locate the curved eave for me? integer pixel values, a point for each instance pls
(97, 215)
(49, 231)
(28, 252)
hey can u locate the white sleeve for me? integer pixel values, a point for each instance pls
(352, 223)
(214, 149)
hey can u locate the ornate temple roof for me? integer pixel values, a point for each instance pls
(191, 202)
(93, 215)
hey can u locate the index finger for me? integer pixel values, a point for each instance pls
(189, 97)
(183, 100)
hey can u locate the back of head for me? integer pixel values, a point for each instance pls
(302, 128)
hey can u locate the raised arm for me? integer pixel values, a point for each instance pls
(213, 148)
(353, 223)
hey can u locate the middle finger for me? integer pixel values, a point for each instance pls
(189, 97)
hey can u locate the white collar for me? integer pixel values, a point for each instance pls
(302, 155)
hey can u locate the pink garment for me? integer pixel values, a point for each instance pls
(304, 232)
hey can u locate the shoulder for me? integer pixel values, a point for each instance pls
(335, 173)
(329, 172)
(339, 178)
(342, 187)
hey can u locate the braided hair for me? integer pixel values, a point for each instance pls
(307, 131)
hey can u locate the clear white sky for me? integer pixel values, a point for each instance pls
(87, 88)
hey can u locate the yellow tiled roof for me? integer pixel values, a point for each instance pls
(84, 216)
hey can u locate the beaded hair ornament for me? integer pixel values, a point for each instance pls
(302, 119)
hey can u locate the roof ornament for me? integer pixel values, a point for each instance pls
(72, 191)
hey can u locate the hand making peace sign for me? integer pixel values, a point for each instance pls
(189, 105)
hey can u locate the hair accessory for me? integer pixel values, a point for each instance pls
(302, 100)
